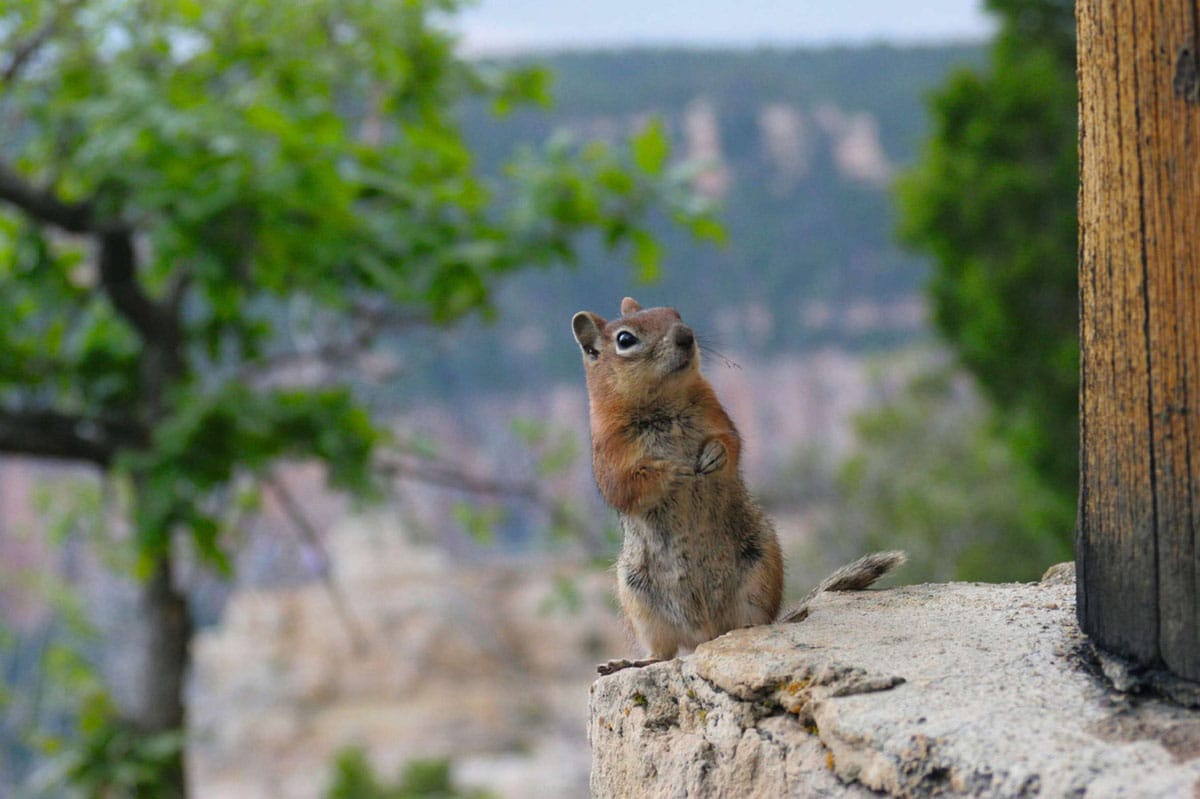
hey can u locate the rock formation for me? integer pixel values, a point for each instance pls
(483, 665)
(929, 690)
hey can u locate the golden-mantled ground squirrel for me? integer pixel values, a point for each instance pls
(699, 556)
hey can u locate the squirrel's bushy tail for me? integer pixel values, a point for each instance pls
(851, 577)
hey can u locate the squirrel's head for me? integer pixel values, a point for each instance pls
(639, 354)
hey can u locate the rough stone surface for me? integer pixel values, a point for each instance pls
(931, 690)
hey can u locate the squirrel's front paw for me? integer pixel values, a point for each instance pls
(681, 471)
(713, 456)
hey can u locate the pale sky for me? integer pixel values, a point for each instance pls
(492, 26)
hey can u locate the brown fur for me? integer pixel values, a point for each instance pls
(699, 556)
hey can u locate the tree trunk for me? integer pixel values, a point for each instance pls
(165, 632)
(164, 619)
(1139, 505)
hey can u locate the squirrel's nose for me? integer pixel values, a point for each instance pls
(684, 337)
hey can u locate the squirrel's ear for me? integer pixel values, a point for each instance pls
(587, 328)
(629, 306)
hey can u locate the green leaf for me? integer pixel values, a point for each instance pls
(565, 597)
(556, 459)
(647, 255)
(651, 148)
(530, 431)
(206, 536)
(523, 85)
(709, 228)
(479, 522)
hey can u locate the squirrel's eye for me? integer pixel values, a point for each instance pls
(625, 340)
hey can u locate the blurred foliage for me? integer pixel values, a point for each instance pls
(992, 199)
(50, 697)
(49, 688)
(556, 449)
(932, 476)
(111, 758)
(421, 779)
(60, 733)
(564, 597)
(479, 521)
(267, 155)
(195, 196)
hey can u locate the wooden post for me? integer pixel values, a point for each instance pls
(1139, 275)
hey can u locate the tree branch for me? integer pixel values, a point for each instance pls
(50, 434)
(379, 316)
(444, 475)
(117, 260)
(369, 320)
(402, 468)
(156, 323)
(118, 276)
(44, 206)
(358, 636)
(23, 52)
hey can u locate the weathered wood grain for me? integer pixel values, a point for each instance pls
(1140, 329)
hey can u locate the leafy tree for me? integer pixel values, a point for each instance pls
(931, 476)
(993, 201)
(188, 188)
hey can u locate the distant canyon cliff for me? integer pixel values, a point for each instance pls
(798, 149)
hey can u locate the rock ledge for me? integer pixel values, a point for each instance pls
(927, 690)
